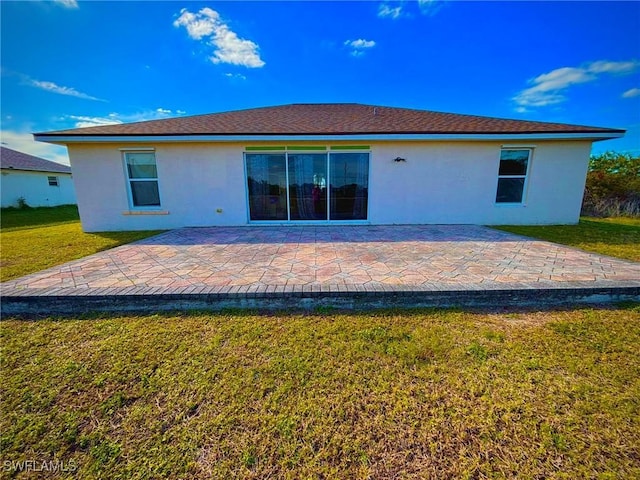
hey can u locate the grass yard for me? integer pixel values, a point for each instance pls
(398, 394)
(616, 236)
(37, 238)
(411, 394)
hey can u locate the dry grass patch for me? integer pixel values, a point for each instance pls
(420, 394)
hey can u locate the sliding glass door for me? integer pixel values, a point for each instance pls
(349, 185)
(302, 187)
(267, 186)
(308, 186)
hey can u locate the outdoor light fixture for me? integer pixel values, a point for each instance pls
(399, 159)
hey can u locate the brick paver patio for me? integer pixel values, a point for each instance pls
(328, 259)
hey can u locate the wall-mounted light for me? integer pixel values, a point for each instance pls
(399, 159)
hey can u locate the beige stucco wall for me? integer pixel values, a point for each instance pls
(194, 181)
(456, 183)
(452, 182)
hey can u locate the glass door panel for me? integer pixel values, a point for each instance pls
(267, 186)
(308, 186)
(349, 185)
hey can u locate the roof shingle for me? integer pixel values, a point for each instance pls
(12, 159)
(332, 119)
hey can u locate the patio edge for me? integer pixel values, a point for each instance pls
(46, 305)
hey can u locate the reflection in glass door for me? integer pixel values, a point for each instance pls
(267, 184)
(308, 186)
(349, 185)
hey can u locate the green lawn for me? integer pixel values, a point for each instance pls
(411, 394)
(617, 237)
(400, 394)
(37, 238)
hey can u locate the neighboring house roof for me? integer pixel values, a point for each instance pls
(327, 119)
(14, 160)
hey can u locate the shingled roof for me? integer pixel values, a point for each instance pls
(14, 160)
(328, 119)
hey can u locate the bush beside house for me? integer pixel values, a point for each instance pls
(613, 186)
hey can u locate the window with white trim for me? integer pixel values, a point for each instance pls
(53, 181)
(512, 174)
(142, 176)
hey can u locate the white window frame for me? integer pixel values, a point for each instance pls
(53, 181)
(525, 177)
(132, 206)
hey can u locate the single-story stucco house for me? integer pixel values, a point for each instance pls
(328, 164)
(38, 182)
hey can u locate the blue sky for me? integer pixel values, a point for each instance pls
(71, 64)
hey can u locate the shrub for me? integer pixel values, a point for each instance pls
(22, 203)
(613, 186)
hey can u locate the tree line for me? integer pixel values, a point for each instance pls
(613, 186)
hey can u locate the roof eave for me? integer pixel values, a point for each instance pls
(64, 139)
(16, 169)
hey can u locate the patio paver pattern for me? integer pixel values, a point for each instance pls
(329, 258)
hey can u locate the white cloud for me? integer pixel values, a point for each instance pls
(199, 25)
(358, 47)
(156, 114)
(54, 88)
(603, 66)
(22, 141)
(114, 118)
(386, 11)
(430, 7)
(549, 88)
(403, 9)
(634, 92)
(234, 50)
(360, 43)
(237, 76)
(66, 3)
(82, 121)
(227, 46)
(561, 78)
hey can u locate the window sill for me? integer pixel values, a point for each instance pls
(145, 212)
(510, 205)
